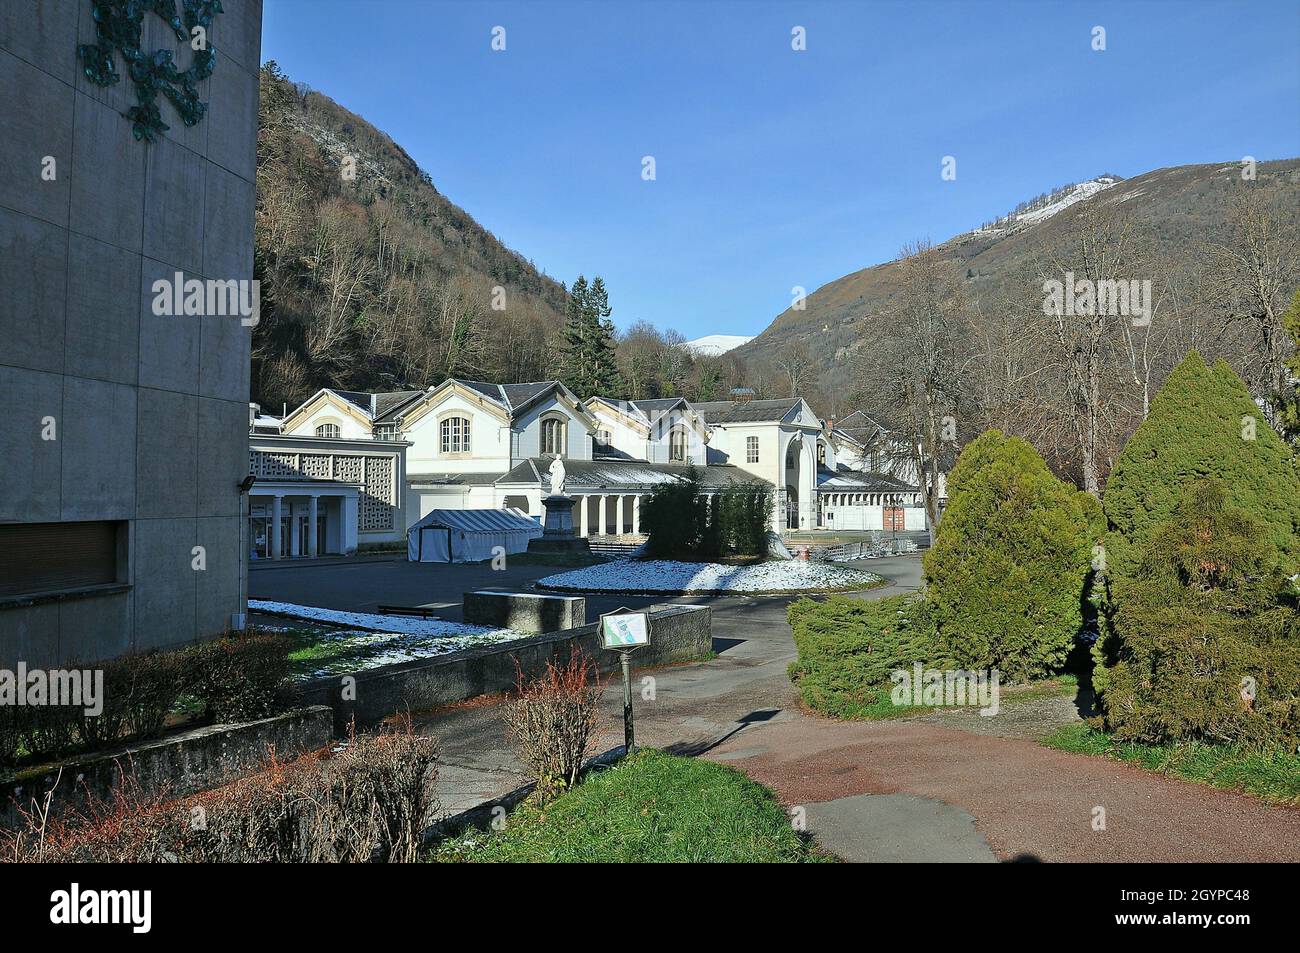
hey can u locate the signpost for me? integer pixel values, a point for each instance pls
(625, 631)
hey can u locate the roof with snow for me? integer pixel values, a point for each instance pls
(861, 480)
(629, 474)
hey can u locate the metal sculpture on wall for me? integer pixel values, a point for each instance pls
(118, 26)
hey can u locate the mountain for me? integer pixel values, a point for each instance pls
(371, 278)
(1175, 209)
(711, 345)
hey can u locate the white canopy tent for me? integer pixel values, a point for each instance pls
(466, 536)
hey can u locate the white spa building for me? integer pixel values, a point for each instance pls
(347, 470)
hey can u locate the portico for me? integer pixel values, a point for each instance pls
(290, 520)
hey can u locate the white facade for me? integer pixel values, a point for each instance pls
(476, 445)
(775, 440)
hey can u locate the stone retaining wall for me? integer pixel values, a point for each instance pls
(178, 764)
(677, 633)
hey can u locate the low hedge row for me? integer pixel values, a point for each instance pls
(849, 647)
(234, 678)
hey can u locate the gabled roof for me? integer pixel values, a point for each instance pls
(851, 480)
(518, 395)
(389, 403)
(510, 399)
(658, 405)
(745, 411)
(626, 408)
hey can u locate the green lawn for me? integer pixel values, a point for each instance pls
(1271, 776)
(649, 808)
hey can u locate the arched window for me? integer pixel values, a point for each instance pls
(327, 430)
(553, 437)
(453, 435)
(677, 445)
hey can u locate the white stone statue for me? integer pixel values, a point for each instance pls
(556, 470)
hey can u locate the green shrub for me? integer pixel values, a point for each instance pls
(670, 519)
(237, 676)
(1202, 423)
(1008, 576)
(684, 522)
(1205, 643)
(849, 647)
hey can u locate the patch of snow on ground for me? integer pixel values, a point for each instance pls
(668, 576)
(386, 639)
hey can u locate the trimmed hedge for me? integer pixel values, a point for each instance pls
(684, 522)
(236, 678)
(849, 647)
(1203, 423)
(1008, 578)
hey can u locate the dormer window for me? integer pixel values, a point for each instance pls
(821, 454)
(453, 436)
(386, 432)
(328, 430)
(553, 436)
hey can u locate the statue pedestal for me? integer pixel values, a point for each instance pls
(559, 515)
(557, 528)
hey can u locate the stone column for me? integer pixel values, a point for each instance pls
(600, 528)
(276, 536)
(295, 535)
(618, 515)
(583, 516)
(311, 524)
(636, 515)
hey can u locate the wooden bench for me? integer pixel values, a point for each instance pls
(420, 611)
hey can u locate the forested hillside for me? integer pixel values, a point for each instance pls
(371, 279)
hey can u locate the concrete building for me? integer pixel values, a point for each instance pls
(125, 436)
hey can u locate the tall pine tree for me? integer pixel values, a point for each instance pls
(589, 366)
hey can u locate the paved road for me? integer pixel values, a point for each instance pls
(945, 786)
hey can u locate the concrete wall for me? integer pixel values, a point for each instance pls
(178, 764)
(151, 411)
(677, 633)
(524, 611)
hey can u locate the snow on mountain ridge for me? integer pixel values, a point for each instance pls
(1055, 203)
(711, 345)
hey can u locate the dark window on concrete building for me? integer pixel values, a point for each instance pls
(38, 558)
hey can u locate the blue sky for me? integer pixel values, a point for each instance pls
(778, 168)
